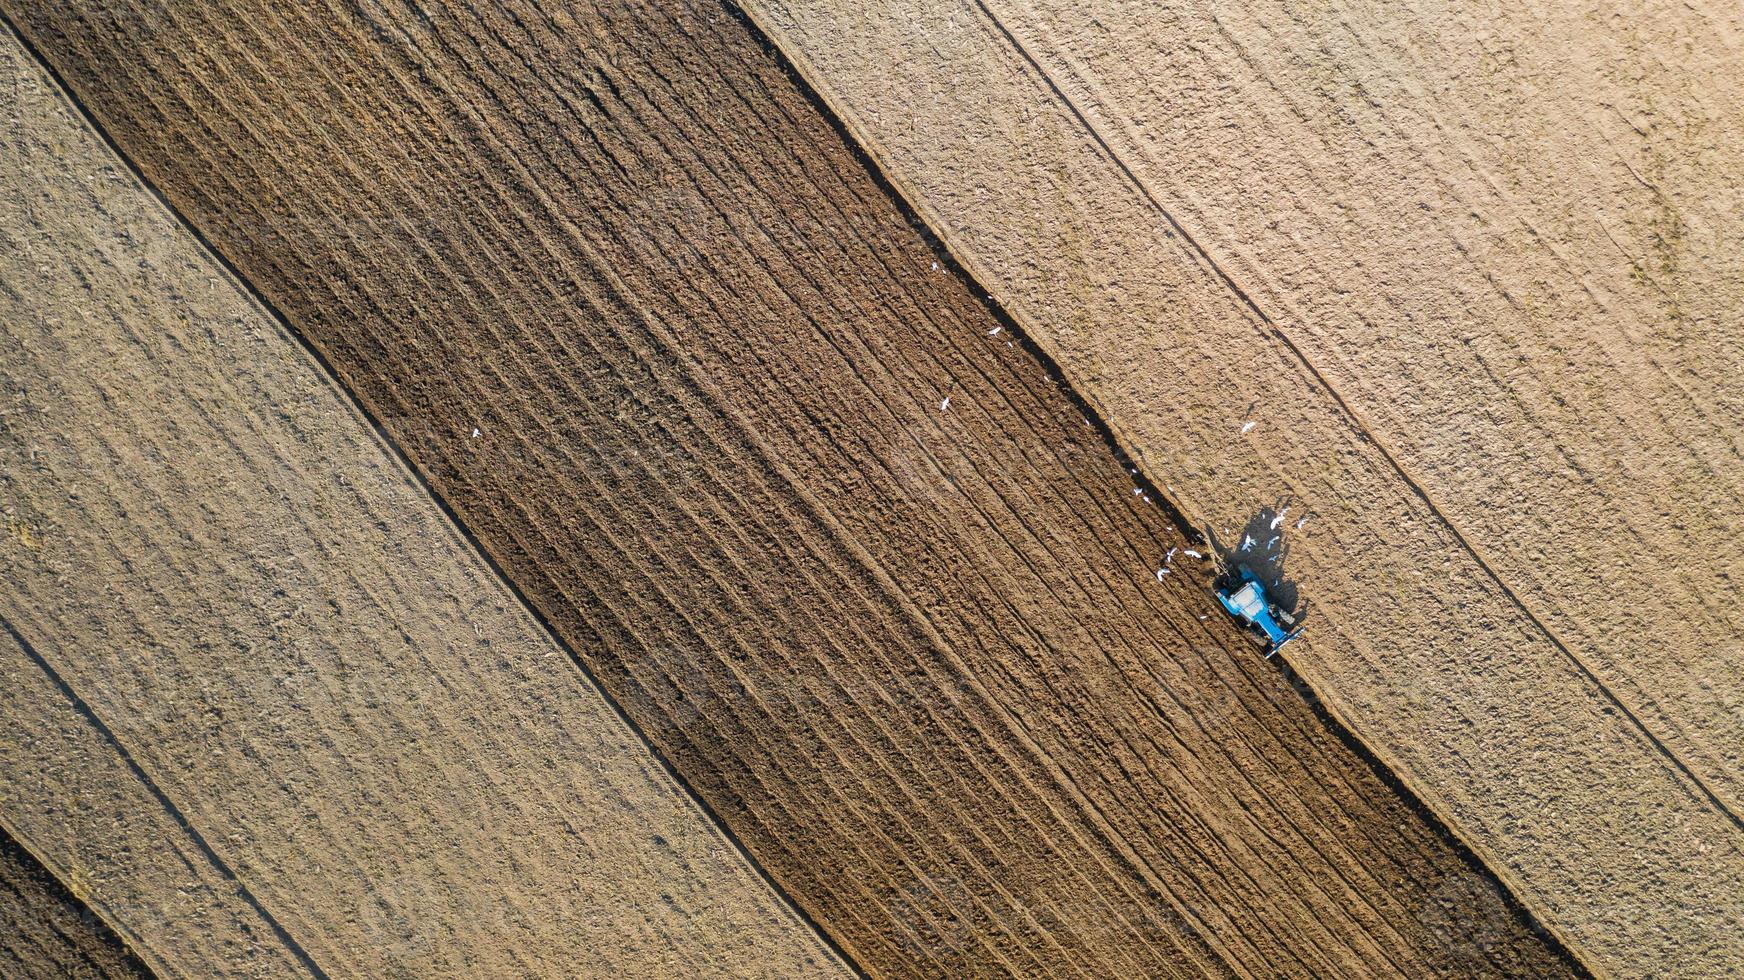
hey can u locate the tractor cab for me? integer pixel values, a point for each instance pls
(1245, 598)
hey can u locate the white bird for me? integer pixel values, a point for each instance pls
(1272, 542)
(1246, 542)
(1248, 428)
(1280, 518)
(945, 405)
(1300, 523)
(1190, 553)
(1161, 572)
(475, 433)
(994, 332)
(1170, 557)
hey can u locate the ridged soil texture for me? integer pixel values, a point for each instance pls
(1456, 281)
(265, 711)
(847, 553)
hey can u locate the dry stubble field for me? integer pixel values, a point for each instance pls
(1458, 281)
(850, 557)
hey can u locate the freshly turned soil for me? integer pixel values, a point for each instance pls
(837, 541)
(264, 709)
(1459, 283)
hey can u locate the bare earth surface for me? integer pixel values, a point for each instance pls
(1459, 283)
(45, 931)
(267, 712)
(848, 554)
(106, 832)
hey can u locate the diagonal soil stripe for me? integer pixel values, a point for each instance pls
(837, 542)
(266, 708)
(1553, 731)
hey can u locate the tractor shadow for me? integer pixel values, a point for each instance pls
(1263, 547)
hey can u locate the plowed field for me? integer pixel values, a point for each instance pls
(265, 711)
(844, 549)
(1457, 280)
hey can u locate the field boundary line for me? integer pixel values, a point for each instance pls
(386, 440)
(133, 943)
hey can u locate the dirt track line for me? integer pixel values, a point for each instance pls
(1700, 786)
(90, 715)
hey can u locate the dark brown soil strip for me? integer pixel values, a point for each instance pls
(859, 569)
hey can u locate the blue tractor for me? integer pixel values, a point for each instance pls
(1244, 597)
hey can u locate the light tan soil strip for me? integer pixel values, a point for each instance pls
(71, 797)
(1494, 661)
(846, 552)
(1526, 290)
(266, 621)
